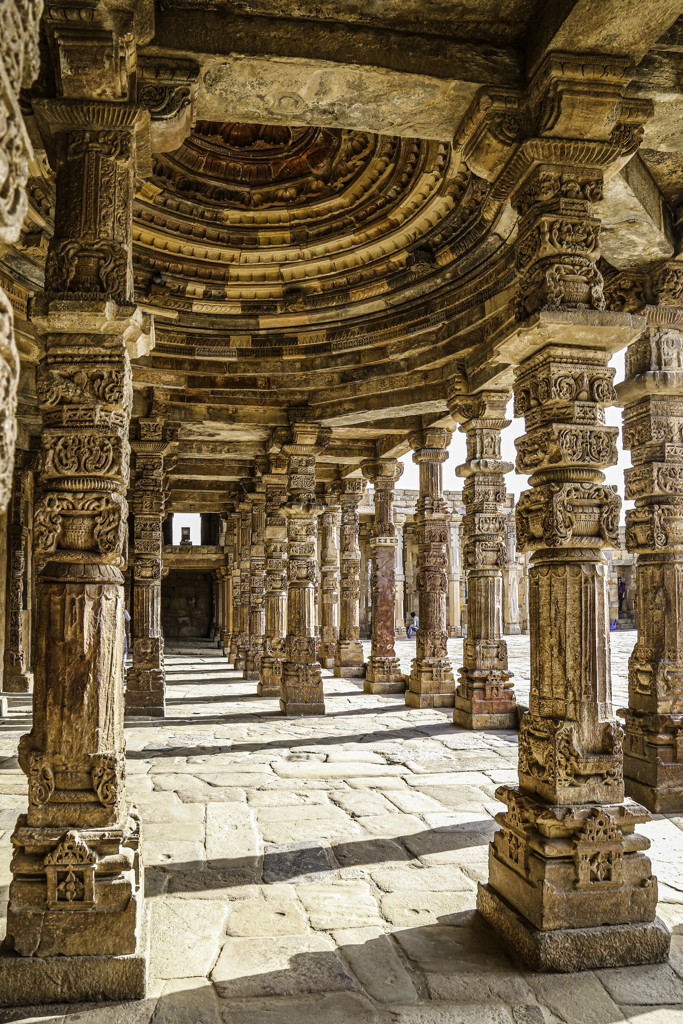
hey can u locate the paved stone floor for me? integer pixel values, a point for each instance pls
(323, 871)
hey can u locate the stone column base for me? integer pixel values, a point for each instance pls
(348, 659)
(512, 629)
(33, 980)
(20, 682)
(653, 774)
(463, 717)
(485, 700)
(301, 692)
(252, 666)
(574, 949)
(431, 684)
(383, 675)
(145, 693)
(270, 677)
(454, 631)
(240, 659)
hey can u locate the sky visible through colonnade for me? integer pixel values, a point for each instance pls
(514, 482)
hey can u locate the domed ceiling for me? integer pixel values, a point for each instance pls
(269, 221)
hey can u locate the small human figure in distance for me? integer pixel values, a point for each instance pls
(621, 591)
(413, 625)
(126, 620)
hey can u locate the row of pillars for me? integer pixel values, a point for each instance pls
(570, 885)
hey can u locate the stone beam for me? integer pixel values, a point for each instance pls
(285, 70)
(610, 27)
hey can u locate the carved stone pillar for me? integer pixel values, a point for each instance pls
(348, 657)
(431, 682)
(236, 609)
(146, 680)
(77, 886)
(399, 575)
(18, 677)
(410, 560)
(329, 567)
(270, 678)
(484, 698)
(383, 672)
(302, 688)
(228, 537)
(511, 573)
(454, 573)
(245, 581)
(652, 397)
(257, 583)
(19, 65)
(570, 885)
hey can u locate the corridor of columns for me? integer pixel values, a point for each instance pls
(354, 294)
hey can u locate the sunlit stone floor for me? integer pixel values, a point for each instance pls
(323, 871)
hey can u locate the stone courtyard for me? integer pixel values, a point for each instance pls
(324, 870)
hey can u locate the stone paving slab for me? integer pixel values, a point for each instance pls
(323, 870)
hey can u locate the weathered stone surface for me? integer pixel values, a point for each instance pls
(295, 862)
(372, 959)
(281, 966)
(185, 935)
(336, 905)
(336, 1008)
(267, 917)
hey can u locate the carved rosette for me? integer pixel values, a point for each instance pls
(270, 676)
(348, 657)
(383, 673)
(652, 398)
(484, 697)
(301, 691)
(431, 679)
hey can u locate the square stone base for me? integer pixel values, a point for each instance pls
(661, 800)
(289, 708)
(470, 721)
(327, 662)
(349, 671)
(574, 949)
(251, 673)
(158, 711)
(34, 980)
(21, 682)
(375, 686)
(429, 700)
(267, 690)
